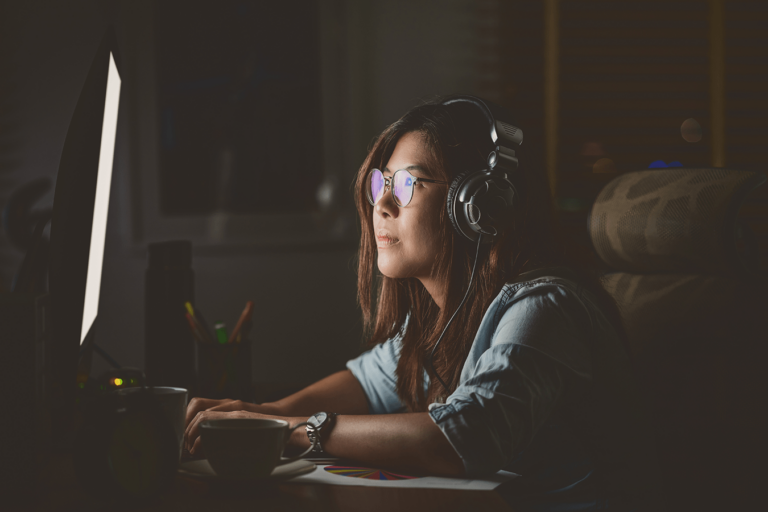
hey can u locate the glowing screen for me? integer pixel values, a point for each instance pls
(101, 203)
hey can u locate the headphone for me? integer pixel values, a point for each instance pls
(481, 202)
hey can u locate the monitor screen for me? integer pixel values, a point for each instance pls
(101, 201)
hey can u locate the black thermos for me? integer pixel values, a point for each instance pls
(169, 350)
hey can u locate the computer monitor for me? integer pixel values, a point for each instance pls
(79, 218)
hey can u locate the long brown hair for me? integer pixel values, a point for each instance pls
(457, 140)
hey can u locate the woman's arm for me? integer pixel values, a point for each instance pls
(409, 442)
(339, 392)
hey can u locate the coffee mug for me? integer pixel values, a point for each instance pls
(246, 448)
(173, 402)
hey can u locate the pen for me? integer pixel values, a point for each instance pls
(245, 317)
(221, 332)
(193, 327)
(199, 322)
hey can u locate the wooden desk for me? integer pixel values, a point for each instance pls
(58, 490)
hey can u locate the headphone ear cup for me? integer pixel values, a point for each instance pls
(493, 198)
(456, 215)
(449, 201)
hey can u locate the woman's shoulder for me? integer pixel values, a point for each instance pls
(553, 286)
(561, 275)
(546, 305)
(540, 310)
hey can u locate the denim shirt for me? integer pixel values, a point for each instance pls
(546, 392)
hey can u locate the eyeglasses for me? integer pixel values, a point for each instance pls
(400, 184)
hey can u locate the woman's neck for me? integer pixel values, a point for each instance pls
(436, 289)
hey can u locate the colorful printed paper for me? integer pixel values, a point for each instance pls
(370, 474)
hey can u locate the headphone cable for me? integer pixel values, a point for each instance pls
(466, 294)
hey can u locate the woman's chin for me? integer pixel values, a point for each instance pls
(390, 269)
(386, 272)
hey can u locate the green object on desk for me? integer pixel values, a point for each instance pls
(221, 332)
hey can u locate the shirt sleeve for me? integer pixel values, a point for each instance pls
(517, 384)
(375, 371)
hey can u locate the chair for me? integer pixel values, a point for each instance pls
(688, 283)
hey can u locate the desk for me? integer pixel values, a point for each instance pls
(58, 490)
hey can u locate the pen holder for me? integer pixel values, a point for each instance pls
(224, 371)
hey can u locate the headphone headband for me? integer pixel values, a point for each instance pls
(481, 202)
(502, 133)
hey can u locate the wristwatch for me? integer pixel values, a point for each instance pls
(320, 421)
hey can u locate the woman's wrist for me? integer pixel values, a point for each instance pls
(298, 437)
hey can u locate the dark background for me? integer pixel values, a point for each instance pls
(237, 82)
(610, 96)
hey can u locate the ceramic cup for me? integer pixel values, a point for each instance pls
(173, 401)
(246, 448)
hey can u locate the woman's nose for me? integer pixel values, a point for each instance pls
(386, 206)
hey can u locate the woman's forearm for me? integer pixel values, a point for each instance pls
(406, 442)
(340, 393)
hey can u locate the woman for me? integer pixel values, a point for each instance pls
(530, 376)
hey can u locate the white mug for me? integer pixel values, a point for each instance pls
(173, 401)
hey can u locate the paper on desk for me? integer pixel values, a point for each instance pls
(320, 476)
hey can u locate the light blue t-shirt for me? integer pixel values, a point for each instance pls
(547, 392)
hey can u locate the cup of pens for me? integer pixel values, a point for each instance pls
(223, 359)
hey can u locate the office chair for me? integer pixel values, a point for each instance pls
(692, 295)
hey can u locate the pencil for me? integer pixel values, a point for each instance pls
(193, 327)
(199, 321)
(245, 316)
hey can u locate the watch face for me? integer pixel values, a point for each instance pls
(318, 419)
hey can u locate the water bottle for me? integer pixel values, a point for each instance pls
(169, 349)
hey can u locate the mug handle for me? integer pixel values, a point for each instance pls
(286, 460)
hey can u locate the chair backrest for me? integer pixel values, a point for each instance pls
(693, 300)
(675, 220)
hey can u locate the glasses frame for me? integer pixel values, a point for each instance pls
(387, 185)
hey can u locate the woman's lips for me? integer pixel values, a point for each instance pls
(384, 241)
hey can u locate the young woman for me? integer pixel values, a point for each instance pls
(530, 376)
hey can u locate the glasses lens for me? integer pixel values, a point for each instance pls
(375, 186)
(403, 187)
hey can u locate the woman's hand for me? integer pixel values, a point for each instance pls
(197, 405)
(200, 409)
(192, 438)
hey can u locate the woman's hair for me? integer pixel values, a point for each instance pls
(457, 140)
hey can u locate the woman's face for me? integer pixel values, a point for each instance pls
(409, 238)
